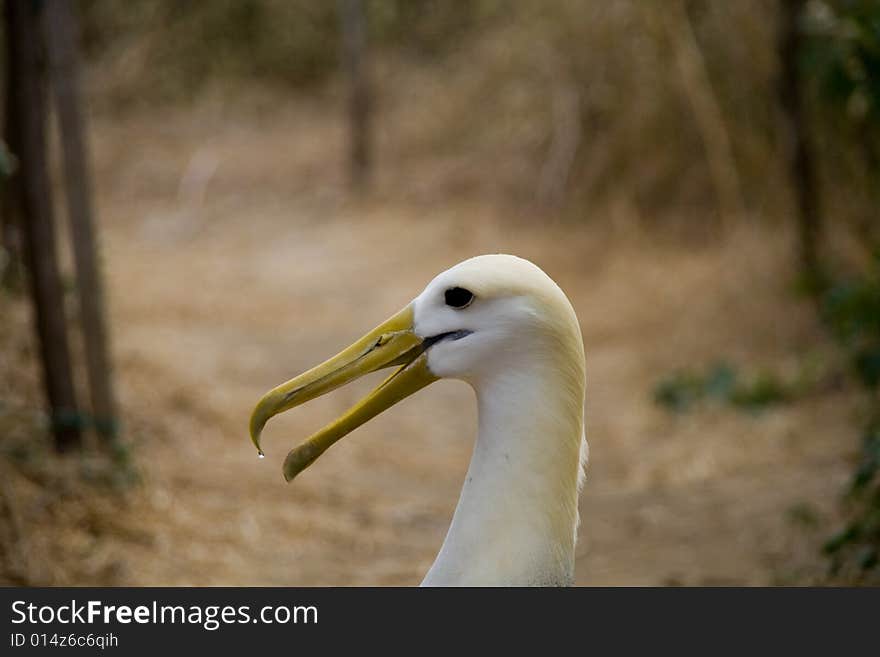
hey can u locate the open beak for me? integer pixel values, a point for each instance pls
(392, 343)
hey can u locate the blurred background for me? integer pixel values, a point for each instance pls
(201, 200)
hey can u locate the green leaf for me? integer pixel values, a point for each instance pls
(841, 538)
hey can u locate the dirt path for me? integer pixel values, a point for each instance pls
(233, 265)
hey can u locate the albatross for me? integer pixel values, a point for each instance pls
(500, 324)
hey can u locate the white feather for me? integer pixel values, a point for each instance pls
(516, 520)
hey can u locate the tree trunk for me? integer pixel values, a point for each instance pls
(61, 46)
(797, 146)
(37, 223)
(354, 55)
(10, 233)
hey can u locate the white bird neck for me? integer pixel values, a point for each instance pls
(516, 519)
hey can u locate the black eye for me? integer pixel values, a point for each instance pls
(458, 297)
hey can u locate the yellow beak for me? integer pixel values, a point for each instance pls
(391, 343)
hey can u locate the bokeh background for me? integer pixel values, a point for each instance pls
(272, 178)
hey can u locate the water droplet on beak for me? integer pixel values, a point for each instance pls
(260, 454)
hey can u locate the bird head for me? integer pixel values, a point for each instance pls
(478, 319)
